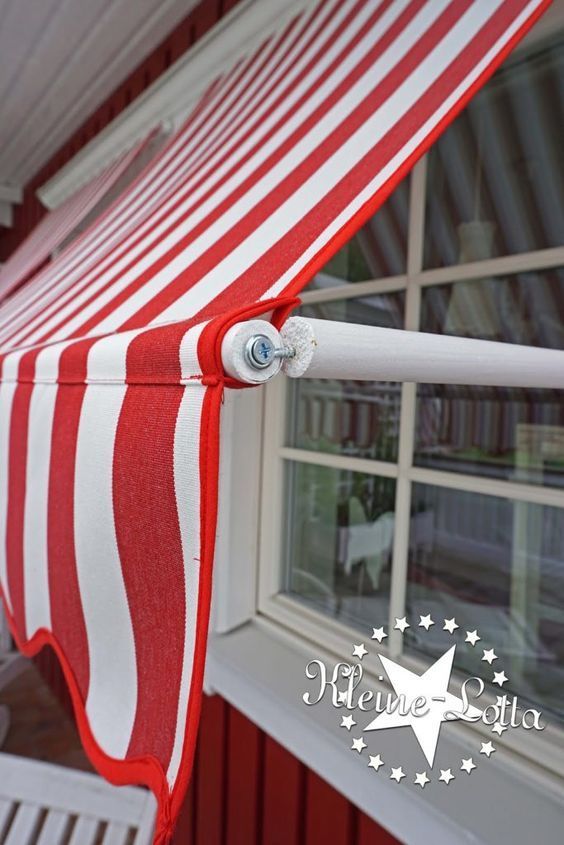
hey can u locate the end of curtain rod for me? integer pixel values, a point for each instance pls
(254, 352)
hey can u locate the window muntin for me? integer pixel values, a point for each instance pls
(532, 313)
(360, 419)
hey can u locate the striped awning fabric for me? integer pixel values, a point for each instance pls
(53, 230)
(111, 372)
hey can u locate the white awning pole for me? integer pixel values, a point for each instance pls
(324, 349)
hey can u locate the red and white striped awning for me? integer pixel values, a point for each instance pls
(56, 226)
(111, 370)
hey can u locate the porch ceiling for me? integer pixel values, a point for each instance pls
(59, 59)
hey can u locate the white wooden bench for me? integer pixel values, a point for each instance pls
(42, 804)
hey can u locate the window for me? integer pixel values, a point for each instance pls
(384, 499)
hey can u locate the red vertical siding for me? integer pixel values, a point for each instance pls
(247, 789)
(189, 30)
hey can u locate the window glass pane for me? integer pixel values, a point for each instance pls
(496, 566)
(495, 181)
(377, 250)
(349, 417)
(499, 432)
(339, 541)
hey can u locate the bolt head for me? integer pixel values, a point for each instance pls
(260, 351)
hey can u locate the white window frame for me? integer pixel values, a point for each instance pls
(313, 625)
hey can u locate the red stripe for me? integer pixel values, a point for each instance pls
(150, 550)
(16, 502)
(67, 617)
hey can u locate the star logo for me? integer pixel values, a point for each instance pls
(378, 634)
(397, 774)
(358, 745)
(498, 728)
(450, 625)
(433, 687)
(500, 678)
(487, 749)
(446, 776)
(401, 624)
(426, 622)
(421, 779)
(375, 762)
(489, 655)
(468, 765)
(347, 722)
(472, 638)
(359, 651)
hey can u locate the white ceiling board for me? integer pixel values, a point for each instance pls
(59, 59)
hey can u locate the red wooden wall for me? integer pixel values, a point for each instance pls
(246, 789)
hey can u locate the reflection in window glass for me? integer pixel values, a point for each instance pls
(339, 541)
(498, 567)
(501, 432)
(354, 418)
(377, 250)
(496, 177)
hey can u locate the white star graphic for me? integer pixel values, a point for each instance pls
(487, 749)
(468, 765)
(432, 685)
(347, 722)
(358, 745)
(446, 776)
(359, 651)
(378, 634)
(489, 655)
(500, 678)
(397, 774)
(401, 624)
(421, 779)
(375, 762)
(472, 638)
(498, 729)
(426, 622)
(450, 625)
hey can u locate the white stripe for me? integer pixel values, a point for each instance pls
(189, 362)
(187, 491)
(112, 693)
(36, 568)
